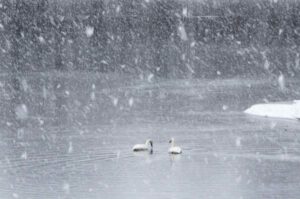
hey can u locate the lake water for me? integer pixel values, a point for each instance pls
(74, 137)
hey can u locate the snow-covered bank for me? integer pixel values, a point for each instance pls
(288, 110)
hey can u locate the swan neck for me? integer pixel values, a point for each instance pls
(172, 143)
(149, 144)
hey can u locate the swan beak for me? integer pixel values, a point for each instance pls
(151, 143)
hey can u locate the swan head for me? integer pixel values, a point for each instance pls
(171, 140)
(149, 142)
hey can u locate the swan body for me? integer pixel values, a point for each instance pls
(148, 146)
(174, 149)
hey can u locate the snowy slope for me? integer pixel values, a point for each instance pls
(288, 110)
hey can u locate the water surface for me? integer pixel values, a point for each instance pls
(75, 139)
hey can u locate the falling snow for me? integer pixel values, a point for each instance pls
(182, 32)
(41, 39)
(130, 102)
(24, 155)
(238, 141)
(66, 188)
(70, 149)
(82, 82)
(281, 81)
(224, 107)
(150, 77)
(89, 31)
(21, 112)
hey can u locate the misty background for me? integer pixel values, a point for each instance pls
(168, 38)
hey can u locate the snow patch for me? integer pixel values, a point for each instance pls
(287, 110)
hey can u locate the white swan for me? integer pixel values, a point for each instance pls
(148, 146)
(174, 149)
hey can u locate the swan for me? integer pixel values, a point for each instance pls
(148, 146)
(174, 149)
